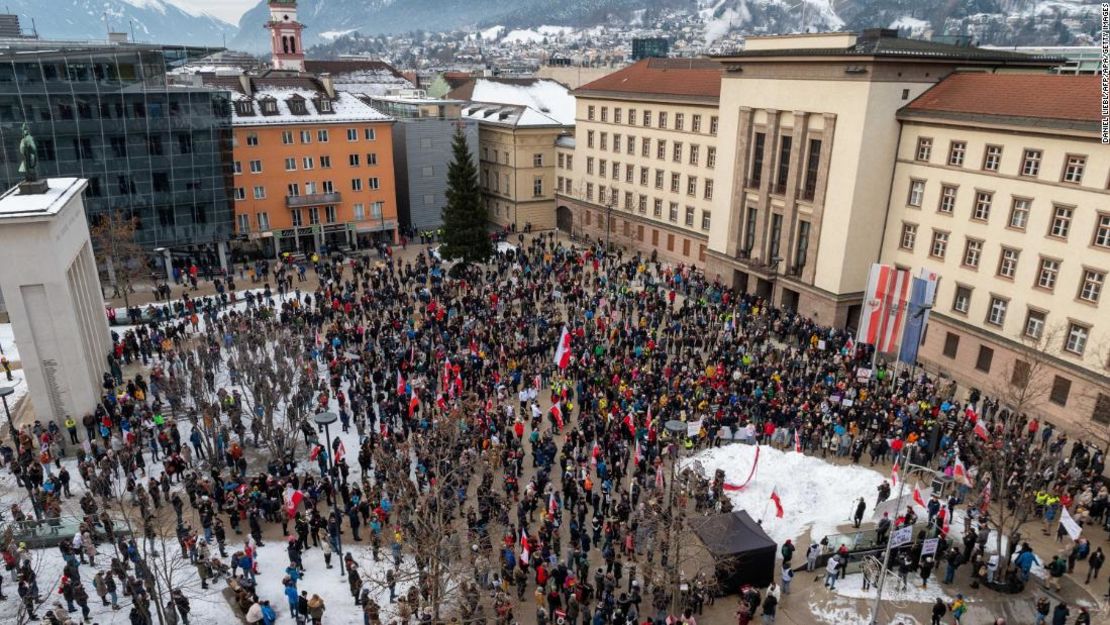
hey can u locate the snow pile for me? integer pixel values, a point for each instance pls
(534, 35)
(332, 35)
(815, 495)
(852, 587)
(917, 27)
(548, 97)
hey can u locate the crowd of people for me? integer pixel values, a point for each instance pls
(480, 467)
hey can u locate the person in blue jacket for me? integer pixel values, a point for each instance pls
(291, 596)
(268, 614)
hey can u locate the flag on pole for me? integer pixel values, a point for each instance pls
(981, 430)
(778, 503)
(894, 475)
(959, 472)
(557, 412)
(915, 321)
(293, 499)
(562, 352)
(888, 290)
(917, 498)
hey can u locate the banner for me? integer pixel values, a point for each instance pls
(884, 307)
(693, 428)
(929, 547)
(915, 322)
(1069, 524)
(901, 536)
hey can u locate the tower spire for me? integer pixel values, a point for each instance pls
(285, 36)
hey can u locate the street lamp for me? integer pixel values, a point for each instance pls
(4, 392)
(325, 419)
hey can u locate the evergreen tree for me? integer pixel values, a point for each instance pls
(465, 228)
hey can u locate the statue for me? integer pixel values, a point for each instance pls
(30, 155)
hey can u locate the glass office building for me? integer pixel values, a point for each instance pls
(151, 149)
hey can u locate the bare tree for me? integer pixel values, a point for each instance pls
(113, 239)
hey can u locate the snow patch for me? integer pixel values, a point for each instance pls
(332, 35)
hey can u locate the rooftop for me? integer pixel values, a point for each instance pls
(1027, 98)
(301, 106)
(59, 192)
(517, 101)
(696, 79)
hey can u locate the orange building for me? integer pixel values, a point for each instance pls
(313, 166)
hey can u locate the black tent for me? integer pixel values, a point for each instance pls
(741, 550)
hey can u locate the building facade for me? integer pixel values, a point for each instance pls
(809, 124)
(644, 165)
(157, 152)
(1005, 197)
(519, 120)
(313, 168)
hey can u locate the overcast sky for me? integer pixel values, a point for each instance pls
(227, 10)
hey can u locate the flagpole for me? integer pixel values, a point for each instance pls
(906, 456)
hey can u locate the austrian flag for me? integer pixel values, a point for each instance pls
(293, 499)
(778, 503)
(562, 352)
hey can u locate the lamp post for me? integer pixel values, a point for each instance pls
(676, 429)
(325, 419)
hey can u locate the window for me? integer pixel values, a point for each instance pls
(658, 178)
(749, 231)
(679, 121)
(290, 164)
(616, 143)
(776, 235)
(713, 125)
(236, 167)
(1034, 323)
(802, 249)
(1047, 273)
(603, 142)
(647, 118)
(917, 192)
(642, 204)
(310, 188)
(590, 165)
(657, 208)
(909, 237)
(711, 157)
(813, 164)
(1073, 168)
(1102, 409)
(537, 186)
(1091, 287)
(1061, 222)
(1019, 213)
(992, 157)
(537, 160)
(708, 191)
(961, 302)
(602, 168)
(705, 219)
(628, 201)
(373, 183)
(356, 184)
(631, 117)
(589, 139)
(691, 185)
(329, 187)
(314, 216)
(1007, 263)
(306, 136)
(306, 163)
(939, 245)
(645, 147)
(605, 114)
(352, 134)
(695, 123)
(644, 174)
(617, 115)
(287, 137)
(376, 209)
(662, 119)
(252, 139)
(240, 193)
(984, 359)
(672, 212)
(260, 193)
(951, 345)
(352, 160)
(629, 172)
(924, 149)
(675, 181)
(325, 162)
(369, 134)
(973, 251)
(297, 220)
(630, 147)
(755, 177)
(1077, 338)
(689, 215)
(660, 149)
(956, 150)
(1102, 231)
(694, 149)
(784, 164)
(294, 189)
(996, 314)
(244, 223)
(1031, 163)
(329, 214)
(982, 210)
(590, 113)
(1061, 388)
(947, 199)
(589, 192)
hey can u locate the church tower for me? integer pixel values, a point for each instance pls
(285, 36)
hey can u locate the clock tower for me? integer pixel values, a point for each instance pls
(285, 36)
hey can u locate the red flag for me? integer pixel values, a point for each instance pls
(894, 475)
(562, 352)
(960, 473)
(340, 452)
(798, 440)
(778, 503)
(400, 384)
(413, 402)
(315, 453)
(557, 412)
(981, 430)
(917, 498)
(293, 500)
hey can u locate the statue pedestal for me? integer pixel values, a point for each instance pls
(37, 187)
(52, 291)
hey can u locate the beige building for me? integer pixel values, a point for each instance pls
(809, 130)
(519, 120)
(1005, 197)
(644, 159)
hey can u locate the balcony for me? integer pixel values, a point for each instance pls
(316, 199)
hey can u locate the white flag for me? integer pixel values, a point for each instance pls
(1069, 524)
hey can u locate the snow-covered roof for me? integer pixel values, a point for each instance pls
(542, 102)
(345, 106)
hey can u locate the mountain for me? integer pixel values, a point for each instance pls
(154, 21)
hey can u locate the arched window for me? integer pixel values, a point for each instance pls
(285, 44)
(293, 44)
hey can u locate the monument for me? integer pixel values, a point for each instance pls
(52, 290)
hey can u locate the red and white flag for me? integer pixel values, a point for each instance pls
(293, 499)
(315, 453)
(894, 475)
(562, 352)
(400, 384)
(340, 452)
(917, 498)
(778, 503)
(557, 412)
(414, 402)
(981, 430)
(959, 472)
(798, 439)
(884, 307)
